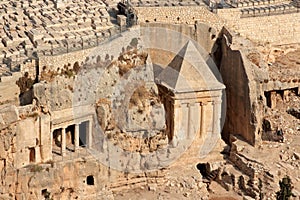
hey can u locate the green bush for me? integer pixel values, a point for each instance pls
(285, 189)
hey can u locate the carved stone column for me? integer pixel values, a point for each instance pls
(63, 142)
(51, 141)
(76, 137)
(217, 112)
(273, 99)
(203, 120)
(193, 120)
(90, 130)
(190, 124)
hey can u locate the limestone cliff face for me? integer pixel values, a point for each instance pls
(242, 117)
(55, 95)
(252, 76)
(129, 110)
(145, 110)
(25, 139)
(8, 115)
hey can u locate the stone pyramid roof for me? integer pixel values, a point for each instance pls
(188, 72)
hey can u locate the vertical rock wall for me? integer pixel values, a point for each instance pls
(241, 93)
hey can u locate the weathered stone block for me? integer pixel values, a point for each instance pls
(26, 133)
(46, 149)
(21, 158)
(8, 115)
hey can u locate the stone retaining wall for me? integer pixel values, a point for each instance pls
(178, 15)
(278, 29)
(54, 62)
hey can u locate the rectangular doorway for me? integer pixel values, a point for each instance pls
(83, 133)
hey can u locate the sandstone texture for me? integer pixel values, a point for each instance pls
(149, 99)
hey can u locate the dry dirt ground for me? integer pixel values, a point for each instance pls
(217, 193)
(286, 67)
(280, 158)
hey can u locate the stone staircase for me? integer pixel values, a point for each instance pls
(232, 179)
(211, 176)
(296, 3)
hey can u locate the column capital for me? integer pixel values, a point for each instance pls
(191, 104)
(218, 102)
(177, 105)
(203, 103)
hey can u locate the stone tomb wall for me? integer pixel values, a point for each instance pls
(9, 89)
(74, 130)
(270, 96)
(235, 73)
(29, 141)
(244, 109)
(193, 118)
